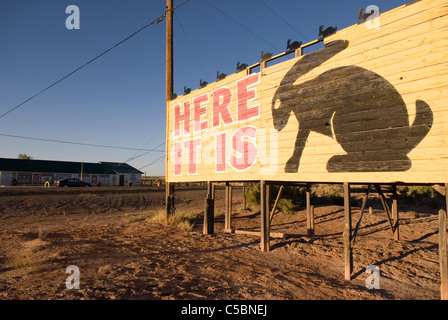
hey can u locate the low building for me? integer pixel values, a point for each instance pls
(35, 172)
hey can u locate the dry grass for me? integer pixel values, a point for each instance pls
(181, 219)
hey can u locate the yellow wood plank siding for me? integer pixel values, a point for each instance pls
(408, 53)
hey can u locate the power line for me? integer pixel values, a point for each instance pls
(280, 17)
(97, 22)
(191, 46)
(158, 159)
(92, 60)
(84, 65)
(82, 144)
(242, 26)
(134, 155)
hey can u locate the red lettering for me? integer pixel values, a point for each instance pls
(221, 152)
(221, 109)
(178, 158)
(192, 147)
(182, 117)
(246, 151)
(199, 111)
(244, 95)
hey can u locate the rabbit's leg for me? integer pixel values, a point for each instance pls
(292, 165)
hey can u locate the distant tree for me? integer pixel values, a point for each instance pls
(24, 156)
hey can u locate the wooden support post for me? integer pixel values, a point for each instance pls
(228, 207)
(443, 255)
(169, 199)
(443, 248)
(209, 210)
(309, 217)
(298, 52)
(244, 196)
(173, 198)
(395, 219)
(230, 204)
(347, 233)
(312, 220)
(268, 199)
(265, 225)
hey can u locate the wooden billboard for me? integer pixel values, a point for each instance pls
(369, 107)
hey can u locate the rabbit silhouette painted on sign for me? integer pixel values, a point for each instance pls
(358, 108)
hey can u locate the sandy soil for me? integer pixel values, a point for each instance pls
(123, 255)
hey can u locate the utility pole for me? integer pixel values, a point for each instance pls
(169, 191)
(169, 50)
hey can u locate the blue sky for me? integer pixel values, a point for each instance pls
(119, 99)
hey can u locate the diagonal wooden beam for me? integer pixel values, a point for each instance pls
(276, 202)
(363, 207)
(385, 206)
(395, 218)
(440, 189)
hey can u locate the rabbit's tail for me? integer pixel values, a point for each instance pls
(422, 123)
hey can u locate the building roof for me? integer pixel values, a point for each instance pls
(32, 165)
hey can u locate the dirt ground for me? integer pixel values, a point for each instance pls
(123, 255)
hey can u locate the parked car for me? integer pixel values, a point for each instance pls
(73, 182)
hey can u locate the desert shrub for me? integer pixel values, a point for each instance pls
(421, 194)
(294, 197)
(252, 195)
(335, 198)
(418, 192)
(286, 205)
(291, 198)
(330, 195)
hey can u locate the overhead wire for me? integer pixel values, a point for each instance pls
(134, 155)
(153, 162)
(158, 20)
(81, 143)
(191, 46)
(281, 18)
(60, 54)
(242, 26)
